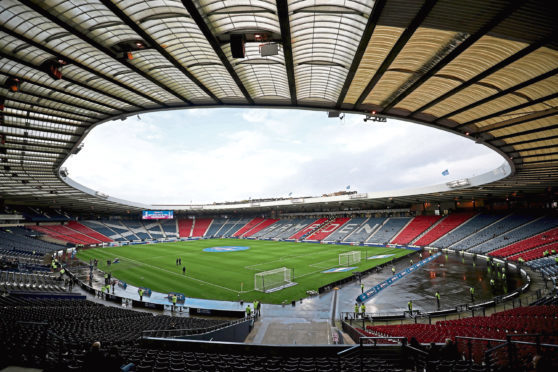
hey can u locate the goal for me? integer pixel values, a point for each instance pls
(273, 280)
(349, 258)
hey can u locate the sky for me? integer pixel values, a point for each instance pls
(217, 155)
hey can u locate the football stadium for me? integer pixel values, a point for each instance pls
(457, 275)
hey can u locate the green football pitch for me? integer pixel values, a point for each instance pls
(230, 275)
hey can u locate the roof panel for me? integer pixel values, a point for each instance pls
(152, 63)
(529, 93)
(420, 51)
(382, 41)
(262, 76)
(324, 43)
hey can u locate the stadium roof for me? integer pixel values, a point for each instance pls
(485, 69)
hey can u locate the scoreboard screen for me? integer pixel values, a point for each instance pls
(157, 215)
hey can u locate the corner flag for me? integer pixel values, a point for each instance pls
(445, 173)
(348, 187)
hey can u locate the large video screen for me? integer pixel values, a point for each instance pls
(157, 215)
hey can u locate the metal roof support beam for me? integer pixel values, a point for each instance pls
(497, 67)
(401, 42)
(49, 146)
(512, 6)
(514, 122)
(32, 136)
(100, 47)
(283, 14)
(45, 120)
(519, 86)
(530, 131)
(29, 157)
(511, 109)
(82, 66)
(363, 44)
(22, 94)
(85, 86)
(540, 161)
(212, 40)
(41, 129)
(71, 95)
(531, 141)
(145, 36)
(41, 149)
(537, 155)
(40, 113)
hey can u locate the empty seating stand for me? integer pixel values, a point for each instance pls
(215, 227)
(271, 230)
(262, 225)
(200, 226)
(365, 230)
(289, 227)
(169, 228)
(343, 231)
(502, 226)
(327, 229)
(232, 227)
(446, 225)
(544, 238)
(185, 227)
(388, 230)
(417, 226)
(87, 231)
(59, 233)
(16, 241)
(103, 229)
(137, 229)
(518, 234)
(253, 223)
(536, 253)
(308, 229)
(464, 230)
(154, 229)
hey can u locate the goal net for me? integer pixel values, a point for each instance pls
(273, 280)
(349, 258)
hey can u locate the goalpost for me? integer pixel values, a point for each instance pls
(273, 280)
(349, 258)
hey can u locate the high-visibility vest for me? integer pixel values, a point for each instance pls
(437, 295)
(363, 308)
(248, 310)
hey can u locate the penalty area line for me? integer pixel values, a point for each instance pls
(180, 275)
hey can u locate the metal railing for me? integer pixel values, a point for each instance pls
(176, 333)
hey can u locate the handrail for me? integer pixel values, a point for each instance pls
(480, 339)
(402, 339)
(347, 351)
(504, 344)
(194, 331)
(533, 344)
(417, 350)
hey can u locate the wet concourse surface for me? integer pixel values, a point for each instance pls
(451, 275)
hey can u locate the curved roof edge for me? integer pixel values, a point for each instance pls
(494, 175)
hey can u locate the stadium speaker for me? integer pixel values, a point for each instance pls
(237, 45)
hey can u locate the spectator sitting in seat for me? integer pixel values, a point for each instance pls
(94, 359)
